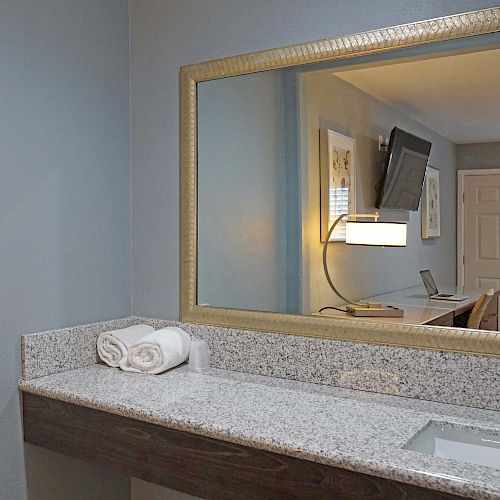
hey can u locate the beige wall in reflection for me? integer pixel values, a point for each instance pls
(360, 272)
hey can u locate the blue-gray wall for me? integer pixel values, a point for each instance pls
(64, 192)
(478, 155)
(65, 253)
(241, 193)
(164, 36)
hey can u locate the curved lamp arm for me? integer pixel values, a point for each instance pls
(325, 249)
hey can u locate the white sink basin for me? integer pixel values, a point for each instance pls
(473, 445)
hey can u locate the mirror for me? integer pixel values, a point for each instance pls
(411, 135)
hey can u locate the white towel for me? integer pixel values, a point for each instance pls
(158, 351)
(112, 346)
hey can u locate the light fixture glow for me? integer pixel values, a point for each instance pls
(372, 234)
(388, 234)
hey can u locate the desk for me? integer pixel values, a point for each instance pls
(420, 310)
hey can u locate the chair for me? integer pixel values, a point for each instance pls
(480, 306)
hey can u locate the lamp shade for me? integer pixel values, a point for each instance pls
(387, 234)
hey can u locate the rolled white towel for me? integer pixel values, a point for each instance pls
(113, 345)
(158, 351)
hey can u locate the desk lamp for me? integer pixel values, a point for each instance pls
(369, 233)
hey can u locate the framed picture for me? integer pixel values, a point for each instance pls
(431, 215)
(338, 181)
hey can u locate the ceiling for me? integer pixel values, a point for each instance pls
(456, 96)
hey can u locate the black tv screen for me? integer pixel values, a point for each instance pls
(404, 171)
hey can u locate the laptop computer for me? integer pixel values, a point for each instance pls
(433, 292)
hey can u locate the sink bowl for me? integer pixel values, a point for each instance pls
(473, 445)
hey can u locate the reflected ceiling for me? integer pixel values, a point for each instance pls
(440, 92)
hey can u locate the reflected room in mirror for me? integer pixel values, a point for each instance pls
(398, 147)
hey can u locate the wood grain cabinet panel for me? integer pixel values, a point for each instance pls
(197, 465)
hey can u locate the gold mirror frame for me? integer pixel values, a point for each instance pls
(429, 337)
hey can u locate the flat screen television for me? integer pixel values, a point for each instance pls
(404, 171)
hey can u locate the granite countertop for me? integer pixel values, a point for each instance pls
(350, 429)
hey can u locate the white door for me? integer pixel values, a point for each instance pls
(481, 231)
